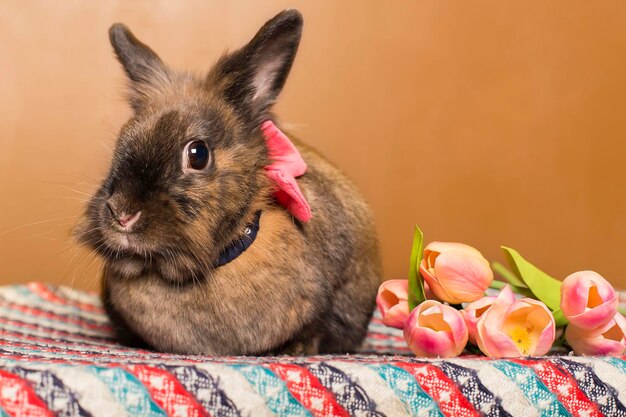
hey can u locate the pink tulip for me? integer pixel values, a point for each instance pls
(513, 327)
(608, 339)
(393, 302)
(588, 301)
(435, 330)
(472, 312)
(455, 272)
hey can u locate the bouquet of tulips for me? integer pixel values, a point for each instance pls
(443, 306)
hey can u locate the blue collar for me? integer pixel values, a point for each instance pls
(239, 245)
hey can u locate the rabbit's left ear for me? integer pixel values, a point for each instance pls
(147, 73)
(252, 77)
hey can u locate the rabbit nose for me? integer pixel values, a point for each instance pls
(125, 220)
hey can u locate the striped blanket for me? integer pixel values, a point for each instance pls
(57, 357)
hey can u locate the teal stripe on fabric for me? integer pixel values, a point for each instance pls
(273, 390)
(533, 388)
(408, 390)
(29, 294)
(617, 363)
(128, 391)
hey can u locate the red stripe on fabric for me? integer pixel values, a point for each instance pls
(53, 349)
(53, 331)
(389, 349)
(54, 345)
(115, 360)
(49, 340)
(378, 336)
(307, 389)
(441, 388)
(18, 399)
(47, 294)
(48, 360)
(564, 387)
(167, 392)
(37, 312)
(387, 345)
(75, 354)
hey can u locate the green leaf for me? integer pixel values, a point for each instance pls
(498, 285)
(542, 285)
(416, 281)
(507, 274)
(559, 318)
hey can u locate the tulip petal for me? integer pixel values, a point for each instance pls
(432, 317)
(490, 339)
(398, 287)
(472, 313)
(392, 302)
(543, 323)
(512, 327)
(596, 316)
(431, 281)
(457, 326)
(495, 343)
(396, 315)
(545, 341)
(435, 330)
(609, 339)
(430, 343)
(441, 247)
(588, 300)
(463, 278)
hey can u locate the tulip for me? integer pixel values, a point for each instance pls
(588, 301)
(472, 313)
(608, 339)
(393, 302)
(435, 330)
(455, 272)
(513, 328)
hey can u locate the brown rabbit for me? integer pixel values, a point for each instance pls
(187, 185)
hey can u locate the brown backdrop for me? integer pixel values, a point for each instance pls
(484, 122)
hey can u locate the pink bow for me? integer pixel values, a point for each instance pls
(287, 164)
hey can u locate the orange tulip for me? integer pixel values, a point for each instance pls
(455, 272)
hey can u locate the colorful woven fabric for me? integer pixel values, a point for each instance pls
(58, 358)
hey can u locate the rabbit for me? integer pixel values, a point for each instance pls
(187, 182)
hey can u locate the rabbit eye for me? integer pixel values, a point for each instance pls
(196, 156)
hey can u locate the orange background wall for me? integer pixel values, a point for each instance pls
(484, 122)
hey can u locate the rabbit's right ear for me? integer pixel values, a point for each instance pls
(144, 68)
(252, 77)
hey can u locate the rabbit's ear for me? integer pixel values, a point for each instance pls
(143, 66)
(253, 76)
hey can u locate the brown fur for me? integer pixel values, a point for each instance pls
(300, 288)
